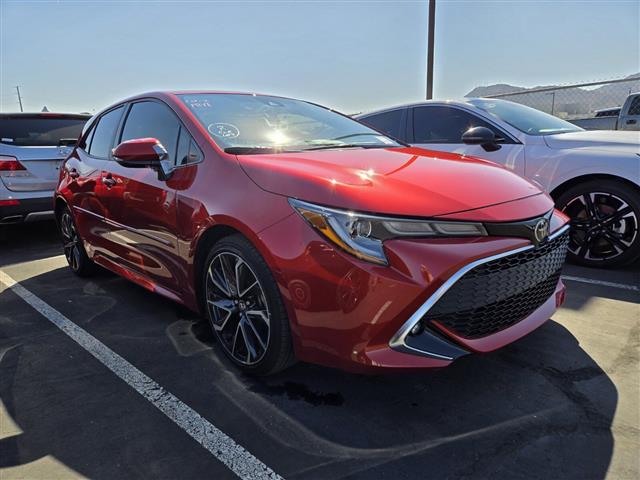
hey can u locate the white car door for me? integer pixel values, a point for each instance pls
(440, 127)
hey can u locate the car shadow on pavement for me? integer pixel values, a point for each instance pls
(539, 408)
(29, 241)
(579, 295)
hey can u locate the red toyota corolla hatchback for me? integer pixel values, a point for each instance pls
(301, 233)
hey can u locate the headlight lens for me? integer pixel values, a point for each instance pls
(363, 235)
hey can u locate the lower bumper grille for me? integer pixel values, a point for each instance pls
(498, 294)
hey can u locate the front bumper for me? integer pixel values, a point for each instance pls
(353, 315)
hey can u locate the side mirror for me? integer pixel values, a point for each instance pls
(481, 136)
(140, 152)
(144, 152)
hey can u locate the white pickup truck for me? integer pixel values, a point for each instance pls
(626, 117)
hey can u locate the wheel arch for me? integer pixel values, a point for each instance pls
(563, 187)
(213, 233)
(59, 205)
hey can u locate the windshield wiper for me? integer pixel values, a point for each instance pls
(256, 150)
(372, 134)
(328, 146)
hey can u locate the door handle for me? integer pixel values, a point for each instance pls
(108, 182)
(631, 122)
(73, 173)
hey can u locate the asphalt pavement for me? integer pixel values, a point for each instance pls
(100, 378)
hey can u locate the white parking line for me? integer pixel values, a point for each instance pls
(220, 445)
(622, 286)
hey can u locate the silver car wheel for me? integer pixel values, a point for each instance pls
(237, 307)
(70, 241)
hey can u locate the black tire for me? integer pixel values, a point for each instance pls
(228, 306)
(605, 217)
(77, 258)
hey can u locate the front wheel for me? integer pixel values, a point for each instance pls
(77, 258)
(605, 218)
(245, 308)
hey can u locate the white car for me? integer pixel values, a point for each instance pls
(32, 148)
(593, 176)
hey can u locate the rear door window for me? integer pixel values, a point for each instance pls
(104, 133)
(153, 120)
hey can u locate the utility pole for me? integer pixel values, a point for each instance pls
(553, 102)
(432, 27)
(19, 97)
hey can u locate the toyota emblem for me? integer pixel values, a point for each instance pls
(541, 230)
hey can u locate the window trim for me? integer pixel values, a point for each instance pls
(90, 131)
(181, 124)
(191, 141)
(95, 124)
(509, 139)
(404, 132)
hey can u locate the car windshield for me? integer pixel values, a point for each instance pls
(526, 119)
(39, 131)
(245, 124)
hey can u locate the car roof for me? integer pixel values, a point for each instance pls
(170, 96)
(465, 102)
(172, 93)
(80, 116)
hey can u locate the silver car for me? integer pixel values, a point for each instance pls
(32, 147)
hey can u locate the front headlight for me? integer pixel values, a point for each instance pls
(362, 235)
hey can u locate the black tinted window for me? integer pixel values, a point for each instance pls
(39, 131)
(86, 143)
(387, 122)
(102, 141)
(444, 124)
(188, 151)
(153, 120)
(608, 113)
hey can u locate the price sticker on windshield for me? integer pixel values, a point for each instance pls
(198, 103)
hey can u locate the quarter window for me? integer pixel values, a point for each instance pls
(154, 120)
(387, 122)
(188, 151)
(444, 124)
(86, 143)
(105, 131)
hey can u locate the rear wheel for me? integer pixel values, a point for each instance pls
(245, 309)
(605, 217)
(77, 258)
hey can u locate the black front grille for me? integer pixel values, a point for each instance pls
(500, 293)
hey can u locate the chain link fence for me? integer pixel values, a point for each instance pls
(578, 101)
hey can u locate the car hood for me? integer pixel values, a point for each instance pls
(609, 140)
(400, 181)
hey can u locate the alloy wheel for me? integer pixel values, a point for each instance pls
(70, 241)
(238, 308)
(603, 226)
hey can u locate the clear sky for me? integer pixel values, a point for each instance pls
(353, 56)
